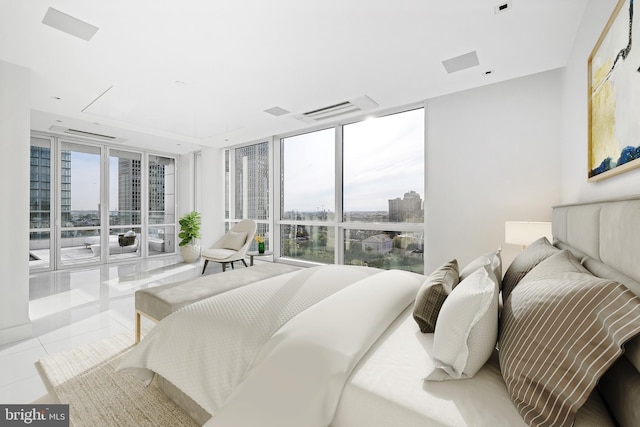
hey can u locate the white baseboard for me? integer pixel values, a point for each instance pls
(16, 333)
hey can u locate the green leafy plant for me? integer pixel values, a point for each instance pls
(189, 228)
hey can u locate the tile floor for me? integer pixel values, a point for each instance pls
(74, 307)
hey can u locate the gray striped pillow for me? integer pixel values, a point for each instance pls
(560, 333)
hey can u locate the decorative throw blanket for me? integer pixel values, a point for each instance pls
(277, 352)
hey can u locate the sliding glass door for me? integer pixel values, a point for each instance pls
(162, 205)
(79, 177)
(125, 204)
(91, 203)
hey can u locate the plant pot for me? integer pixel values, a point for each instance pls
(261, 247)
(190, 253)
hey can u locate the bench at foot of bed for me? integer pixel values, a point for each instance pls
(160, 301)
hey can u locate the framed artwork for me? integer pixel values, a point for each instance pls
(614, 97)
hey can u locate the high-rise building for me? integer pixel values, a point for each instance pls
(252, 181)
(407, 209)
(157, 190)
(130, 189)
(40, 187)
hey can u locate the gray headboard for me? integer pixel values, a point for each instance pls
(607, 233)
(605, 236)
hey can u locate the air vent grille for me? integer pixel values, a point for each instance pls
(93, 135)
(339, 109)
(461, 62)
(89, 134)
(277, 111)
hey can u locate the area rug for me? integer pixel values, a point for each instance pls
(85, 378)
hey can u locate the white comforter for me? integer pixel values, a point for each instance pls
(275, 353)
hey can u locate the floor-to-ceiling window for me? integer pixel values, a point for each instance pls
(307, 197)
(80, 174)
(354, 193)
(227, 187)
(351, 193)
(383, 191)
(247, 194)
(40, 192)
(162, 205)
(92, 203)
(125, 203)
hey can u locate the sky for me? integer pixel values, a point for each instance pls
(85, 182)
(383, 159)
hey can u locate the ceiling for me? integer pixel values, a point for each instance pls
(176, 75)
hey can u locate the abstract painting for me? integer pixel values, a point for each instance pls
(614, 97)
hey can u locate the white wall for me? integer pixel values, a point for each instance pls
(186, 201)
(575, 187)
(493, 154)
(212, 197)
(14, 209)
(210, 201)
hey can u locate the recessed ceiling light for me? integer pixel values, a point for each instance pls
(503, 6)
(69, 24)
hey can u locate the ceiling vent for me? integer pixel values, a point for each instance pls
(277, 111)
(461, 62)
(69, 24)
(361, 103)
(85, 134)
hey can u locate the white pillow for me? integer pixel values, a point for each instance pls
(493, 258)
(235, 240)
(467, 327)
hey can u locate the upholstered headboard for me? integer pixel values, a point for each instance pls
(605, 236)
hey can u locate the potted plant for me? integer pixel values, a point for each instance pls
(189, 232)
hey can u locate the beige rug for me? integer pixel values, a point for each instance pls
(85, 378)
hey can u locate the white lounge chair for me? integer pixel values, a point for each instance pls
(232, 246)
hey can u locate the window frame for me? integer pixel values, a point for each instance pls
(231, 215)
(56, 185)
(338, 223)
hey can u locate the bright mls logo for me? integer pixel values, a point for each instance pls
(34, 415)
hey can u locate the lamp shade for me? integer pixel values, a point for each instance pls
(525, 232)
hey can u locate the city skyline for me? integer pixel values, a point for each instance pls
(81, 182)
(322, 208)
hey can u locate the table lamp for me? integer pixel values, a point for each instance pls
(524, 233)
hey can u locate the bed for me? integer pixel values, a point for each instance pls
(341, 346)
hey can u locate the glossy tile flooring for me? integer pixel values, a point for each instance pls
(74, 307)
